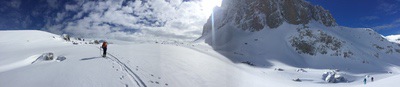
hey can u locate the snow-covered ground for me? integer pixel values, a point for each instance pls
(150, 65)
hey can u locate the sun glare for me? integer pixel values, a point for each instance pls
(208, 5)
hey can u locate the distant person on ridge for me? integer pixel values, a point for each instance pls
(372, 79)
(365, 80)
(104, 46)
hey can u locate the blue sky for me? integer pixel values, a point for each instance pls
(381, 15)
(137, 19)
(118, 19)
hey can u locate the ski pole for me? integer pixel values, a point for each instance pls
(100, 51)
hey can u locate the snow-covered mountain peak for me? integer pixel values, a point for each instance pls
(295, 33)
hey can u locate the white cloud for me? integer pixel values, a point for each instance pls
(389, 8)
(369, 18)
(60, 16)
(155, 19)
(394, 24)
(386, 26)
(69, 7)
(15, 3)
(53, 3)
(393, 38)
(397, 21)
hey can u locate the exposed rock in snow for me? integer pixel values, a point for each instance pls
(296, 80)
(61, 58)
(301, 70)
(255, 15)
(291, 32)
(333, 77)
(48, 56)
(279, 69)
(313, 42)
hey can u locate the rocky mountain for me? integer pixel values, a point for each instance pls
(255, 15)
(295, 33)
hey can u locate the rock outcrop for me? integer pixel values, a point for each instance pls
(255, 15)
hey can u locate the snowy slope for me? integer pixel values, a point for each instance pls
(309, 44)
(368, 49)
(387, 82)
(144, 65)
(137, 65)
(249, 36)
(22, 48)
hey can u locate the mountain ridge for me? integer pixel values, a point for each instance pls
(309, 44)
(255, 15)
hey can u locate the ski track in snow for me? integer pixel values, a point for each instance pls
(129, 71)
(193, 72)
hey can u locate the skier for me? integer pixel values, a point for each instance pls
(104, 46)
(372, 79)
(365, 80)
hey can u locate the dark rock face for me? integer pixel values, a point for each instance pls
(254, 15)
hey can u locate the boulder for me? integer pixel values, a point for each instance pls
(48, 56)
(333, 77)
